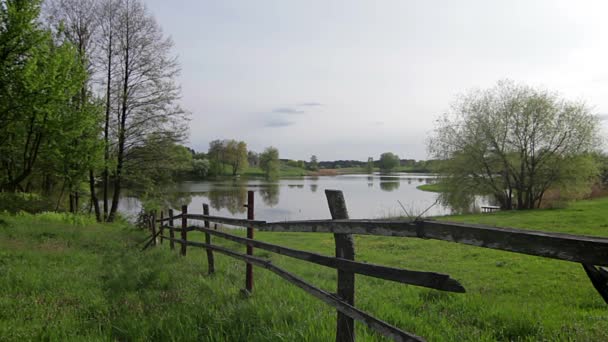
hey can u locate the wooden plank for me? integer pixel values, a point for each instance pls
(249, 267)
(345, 249)
(171, 229)
(227, 220)
(432, 280)
(170, 218)
(599, 279)
(161, 227)
(151, 238)
(153, 226)
(210, 259)
(575, 248)
(184, 231)
(380, 326)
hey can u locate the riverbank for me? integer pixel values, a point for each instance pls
(96, 285)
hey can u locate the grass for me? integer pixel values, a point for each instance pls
(433, 187)
(65, 278)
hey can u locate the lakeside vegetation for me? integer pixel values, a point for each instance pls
(94, 282)
(433, 187)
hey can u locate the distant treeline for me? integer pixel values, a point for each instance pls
(410, 165)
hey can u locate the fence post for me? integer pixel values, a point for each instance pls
(250, 216)
(345, 249)
(161, 227)
(171, 231)
(210, 260)
(184, 226)
(153, 228)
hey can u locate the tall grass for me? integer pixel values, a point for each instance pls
(62, 280)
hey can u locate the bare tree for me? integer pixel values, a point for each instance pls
(146, 89)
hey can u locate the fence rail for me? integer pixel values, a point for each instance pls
(591, 252)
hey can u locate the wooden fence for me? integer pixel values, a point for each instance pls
(591, 252)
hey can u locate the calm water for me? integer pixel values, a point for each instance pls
(367, 196)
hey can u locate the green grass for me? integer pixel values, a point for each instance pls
(65, 278)
(434, 187)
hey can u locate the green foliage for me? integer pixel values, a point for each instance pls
(369, 167)
(24, 202)
(201, 167)
(515, 143)
(153, 167)
(40, 114)
(314, 163)
(269, 162)
(388, 161)
(228, 152)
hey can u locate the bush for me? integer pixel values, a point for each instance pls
(28, 202)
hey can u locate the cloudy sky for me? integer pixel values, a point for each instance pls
(351, 79)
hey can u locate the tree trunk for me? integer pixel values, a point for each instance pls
(106, 133)
(94, 200)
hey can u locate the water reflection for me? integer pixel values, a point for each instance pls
(270, 194)
(389, 186)
(367, 196)
(232, 197)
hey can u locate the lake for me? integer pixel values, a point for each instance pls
(367, 196)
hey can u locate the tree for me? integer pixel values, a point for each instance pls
(369, 167)
(200, 167)
(388, 161)
(253, 158)
(145, 88)
(40, 78)
(75, 22)
(314, 163)
(235, 153)
(515, 143)
(269, 162)
(217, 157)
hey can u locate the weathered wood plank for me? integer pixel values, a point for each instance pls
(575, 248)
(249, 267)
(210, 259)
(599, 279)
(227, 220)
(171, 229)
(380, 326)
(184, 230)
(345, 249)
(170, 218)
(432, 280)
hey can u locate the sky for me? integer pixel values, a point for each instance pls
(347, 79)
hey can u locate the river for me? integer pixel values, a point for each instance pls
(367, 196)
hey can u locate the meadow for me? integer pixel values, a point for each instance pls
(65, 277)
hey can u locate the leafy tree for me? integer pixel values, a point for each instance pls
(74, 21)
(388, 161)
(369, 167)
(269, 162)
(314, 163)
(153, 166)
(235, 153)
(201, 167)
(217, 157)
(40, 78)
(253, 158)
(515, 142)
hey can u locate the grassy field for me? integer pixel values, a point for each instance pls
(430, 187)
(66, 278)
